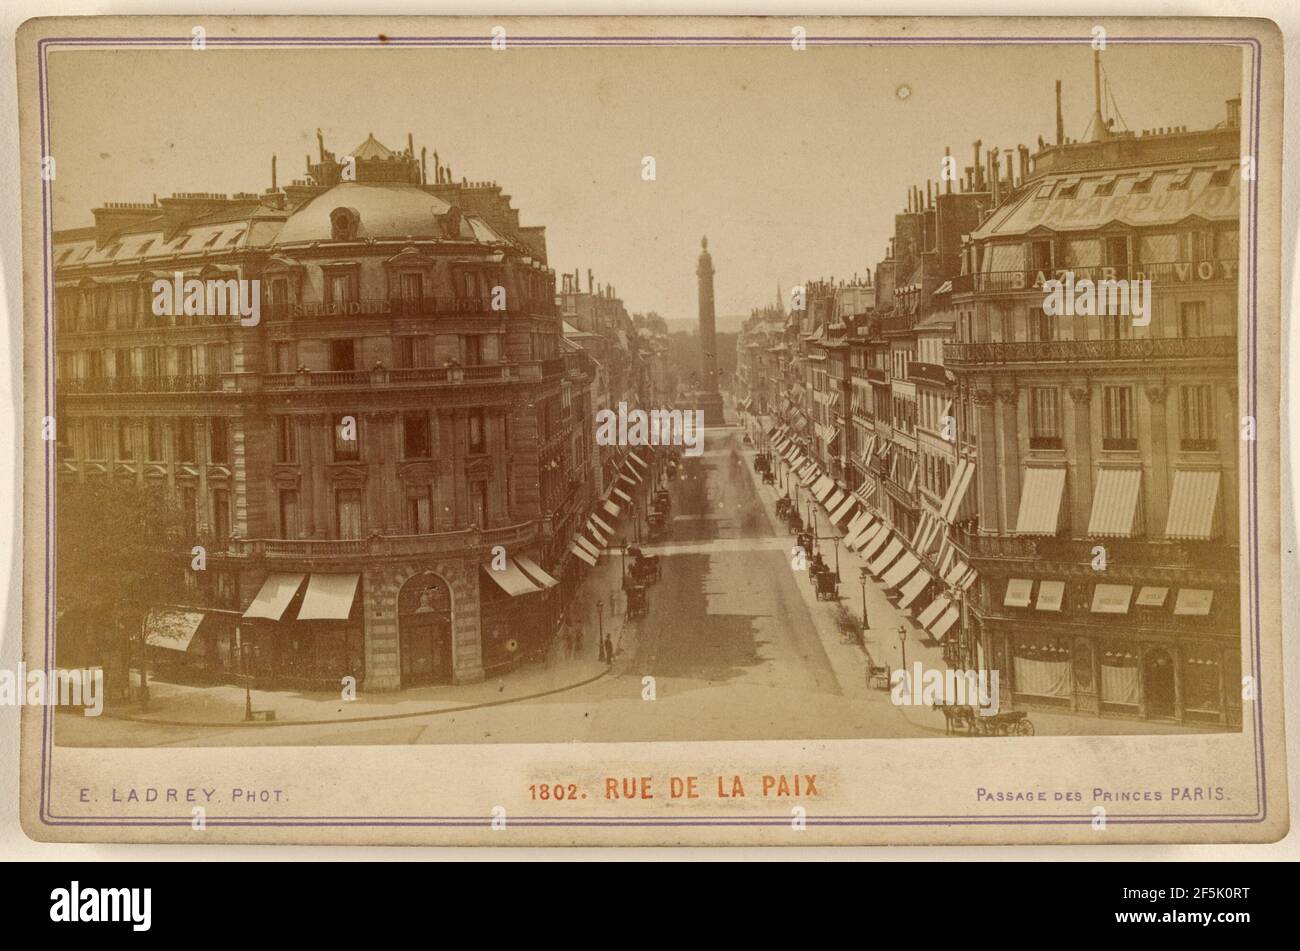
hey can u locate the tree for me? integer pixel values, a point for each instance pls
(117, 555)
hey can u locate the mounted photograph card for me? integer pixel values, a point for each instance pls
(651, 431)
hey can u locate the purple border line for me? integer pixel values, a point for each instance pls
(471, 42)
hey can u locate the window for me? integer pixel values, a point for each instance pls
(1042, 327)
(1118, 430)
(1117, 252)
(341, 289)
(221, 514)
(473, 350)
(219, 427)
(1196, 418)
(282, 357)
(347, 442)
(289, 513)
(184, 439)
(478, 504)
(1116, 327)
(122, 364)
(412, 289)
(1044, 417)
(94, 365)
(1041, 255)
(184, 361)
(286, 439)
(150, 362)
(1084, 252)
(153, 439)
(1143, 184)
(343, 355)
(189, 511)
(218, 358)
(477, 435)
(416, 443)
(124, 440)
(1225, 245)
(418, 508)
(347, 513)
(1159, 248)
(1193, 320)
(1105, 188)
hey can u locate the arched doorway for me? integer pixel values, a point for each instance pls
(1158, 683)
(424, 630)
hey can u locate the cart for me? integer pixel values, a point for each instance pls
(658, 524)
(825, 584)
(1011, 723)
(638, 605)
(783, 506)
(663, 500)
(646, 569)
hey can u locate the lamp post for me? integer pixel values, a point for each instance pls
(866, 624)
(902, 642)
(622, 562)
(600, 626)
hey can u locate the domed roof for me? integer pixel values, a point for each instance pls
(379, 210)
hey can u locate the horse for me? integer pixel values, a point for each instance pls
(957, 717)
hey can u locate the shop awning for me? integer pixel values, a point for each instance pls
(638, 460)
(932, 532)
(941, 626)
(1152, 596)
(620, 494)
(1115, 503)
(1018, 593)
(933, 610)
(1193, 505)
(329, 597)
(596, 535)
(845, 507)
(582, 553)
(1111, 598)
(1050, 595)
(913, 587)
(956, 573)
(611, 507)
(867, 491)
(274, 596)
(511, 579)
(832, 503)
(601, 524)
(886, 557)
(900, 570)
(859, 522)
(631, 474)
(957, 488)
(587, 546)
(536, 572)
(875, 544)
(823, 488)
(172, 628)
(1194, 601)
(865, 533)
(810, 475)
(1040, 502)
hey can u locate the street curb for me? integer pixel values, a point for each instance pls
(379, 717)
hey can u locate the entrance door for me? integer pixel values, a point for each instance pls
(1158, 684)
(424, 631)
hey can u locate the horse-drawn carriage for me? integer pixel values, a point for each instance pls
(783, 506)
(658, 525)
(963, 718)
(645, 569)
(824, 583)
(663, 501)
(794, 521)
(763, 463)
(638, 605)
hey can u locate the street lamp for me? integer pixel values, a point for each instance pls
(600, 626)
(902, 642)
(866, 624)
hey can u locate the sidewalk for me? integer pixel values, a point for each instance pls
(223, 705)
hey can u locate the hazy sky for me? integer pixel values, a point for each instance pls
(793, 163)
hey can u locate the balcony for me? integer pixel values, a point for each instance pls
(1164, 272)
(1144, 553)
(184, 383)
(383, 546)
(415, 376)
(1077, 351)
(433, 306)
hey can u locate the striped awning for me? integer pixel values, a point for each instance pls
(611, 507)
(954, 503)
(171, 628)
(811, 474)
(842, 512)
(1115, 503)
(582, 553)
(587, 546)
(886, 557)
(913, 587)
(933, 610)
(329, 597)
(1040, 502)
(832, 502)
(859, 522)
(511, 579)
(868, 531)
(1194, 505)
(875, 544)
(536, 572)
(638, 460)
(956, 574)
(621, 495)
(274, 596)
(941, 626)
(594, 532)
(601, 524)
(900, 570)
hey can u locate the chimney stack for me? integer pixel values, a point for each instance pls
(947, 186)
(1023, 151)
(992, 157)
(424, 178)
(273, 185)
(979, 169)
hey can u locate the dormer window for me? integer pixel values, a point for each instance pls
(344, 223)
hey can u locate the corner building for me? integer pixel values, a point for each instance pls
(415, 308)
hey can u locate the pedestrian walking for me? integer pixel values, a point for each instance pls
(609, 650)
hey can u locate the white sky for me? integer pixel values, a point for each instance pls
(792, 163)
